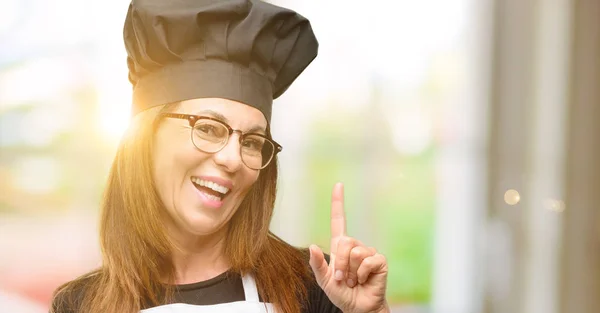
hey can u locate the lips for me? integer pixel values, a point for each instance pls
(214, 188)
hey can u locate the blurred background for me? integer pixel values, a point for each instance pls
(467, 133)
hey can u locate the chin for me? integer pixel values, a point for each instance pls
(198, 223)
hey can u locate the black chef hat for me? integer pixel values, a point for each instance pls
(244, 50)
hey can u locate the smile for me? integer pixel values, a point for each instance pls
(210, 189)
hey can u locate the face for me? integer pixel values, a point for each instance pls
(190, 182)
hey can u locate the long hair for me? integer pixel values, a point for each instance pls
(136, 250)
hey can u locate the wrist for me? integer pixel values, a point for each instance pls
(385, 308)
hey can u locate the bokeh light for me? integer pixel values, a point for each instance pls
(512, 197)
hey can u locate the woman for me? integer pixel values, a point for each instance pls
(190, 195)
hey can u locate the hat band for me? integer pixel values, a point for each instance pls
(210, 78)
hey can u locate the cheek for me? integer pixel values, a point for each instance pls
(249, 180)
(168, 162)
(171, 150)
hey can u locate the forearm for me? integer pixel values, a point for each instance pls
(384, 309)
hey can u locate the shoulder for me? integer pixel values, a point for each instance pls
(67, 298)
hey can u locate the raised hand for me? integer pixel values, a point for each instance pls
(355, 279)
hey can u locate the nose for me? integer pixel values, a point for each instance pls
(229, 157)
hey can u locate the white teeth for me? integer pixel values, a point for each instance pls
(214, 198)
(212, 185)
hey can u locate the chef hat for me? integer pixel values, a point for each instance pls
(243, 50)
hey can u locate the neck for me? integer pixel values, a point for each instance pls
(199, 258)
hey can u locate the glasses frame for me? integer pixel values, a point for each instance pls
(193, 119)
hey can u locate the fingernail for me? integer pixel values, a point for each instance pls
(350, 283)
(339, 275)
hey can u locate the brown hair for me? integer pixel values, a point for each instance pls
(136, 250)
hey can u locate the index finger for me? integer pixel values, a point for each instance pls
(338, 216)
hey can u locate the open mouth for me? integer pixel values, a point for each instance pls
(211, 189)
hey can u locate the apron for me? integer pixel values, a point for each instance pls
(251, 305)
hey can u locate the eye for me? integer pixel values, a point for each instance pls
(253, 143)
(207, 129)
(210, 130)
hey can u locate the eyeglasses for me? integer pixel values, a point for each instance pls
(211, 135)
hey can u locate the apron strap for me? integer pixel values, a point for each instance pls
(250, 290)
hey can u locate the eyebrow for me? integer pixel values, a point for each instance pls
(222, 117)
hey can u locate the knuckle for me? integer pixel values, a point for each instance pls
(346, 241)
(356, 254)
(382, 258)
(373, 261)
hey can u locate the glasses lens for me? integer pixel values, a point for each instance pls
(209, 135)
(257, 151)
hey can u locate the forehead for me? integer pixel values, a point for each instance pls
(237, 114)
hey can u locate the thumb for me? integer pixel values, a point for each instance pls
(318, 264)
